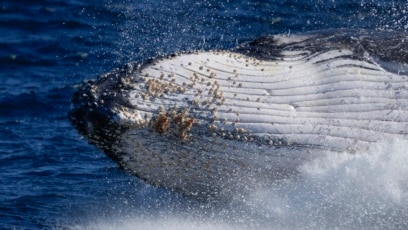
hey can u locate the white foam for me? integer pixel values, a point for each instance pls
(367, 190)
(345, 191)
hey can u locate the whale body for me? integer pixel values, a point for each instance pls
(214, 123)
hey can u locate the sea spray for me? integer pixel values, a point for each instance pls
(342, 190)
(337, 190)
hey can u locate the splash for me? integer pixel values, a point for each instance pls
(343, 191)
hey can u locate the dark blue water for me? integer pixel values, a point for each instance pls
(50, 178)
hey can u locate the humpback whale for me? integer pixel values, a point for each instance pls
(214, 123)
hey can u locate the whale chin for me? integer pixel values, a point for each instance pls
(222, 123)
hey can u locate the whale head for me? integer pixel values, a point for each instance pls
(183, 123)
(222, 122)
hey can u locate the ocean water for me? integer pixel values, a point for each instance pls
(51, 178)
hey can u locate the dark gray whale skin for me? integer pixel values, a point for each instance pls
(94, 108)
(386, 46)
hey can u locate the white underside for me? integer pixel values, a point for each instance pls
(313, 101)
(327, 99)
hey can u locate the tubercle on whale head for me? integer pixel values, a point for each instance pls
(99, 108)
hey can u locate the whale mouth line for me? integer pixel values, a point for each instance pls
(199, 122)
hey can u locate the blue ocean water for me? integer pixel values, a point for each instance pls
(52, 179)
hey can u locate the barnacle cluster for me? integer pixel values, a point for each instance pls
(198, 86)
(173, 122)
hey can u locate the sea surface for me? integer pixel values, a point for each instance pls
(51, 178)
